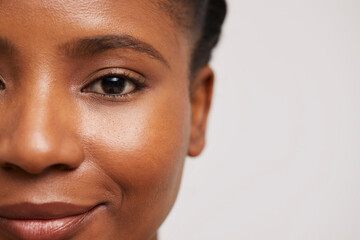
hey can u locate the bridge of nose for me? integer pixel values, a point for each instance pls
(38, 125)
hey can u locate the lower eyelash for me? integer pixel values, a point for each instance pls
(139, 85)
(118, 97)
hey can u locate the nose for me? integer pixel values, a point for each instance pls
(38, 133)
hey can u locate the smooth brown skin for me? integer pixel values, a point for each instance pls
(58, 143)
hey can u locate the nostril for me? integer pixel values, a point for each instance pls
(10, 167)
(40, 150)
(62, 167)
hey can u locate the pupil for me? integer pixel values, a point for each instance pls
(113, 85)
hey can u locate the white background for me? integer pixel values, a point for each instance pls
(282, 159)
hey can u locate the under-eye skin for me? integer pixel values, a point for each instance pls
(115, 84)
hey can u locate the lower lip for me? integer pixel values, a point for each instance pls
(54, 229)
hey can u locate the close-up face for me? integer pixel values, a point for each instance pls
(98, 113)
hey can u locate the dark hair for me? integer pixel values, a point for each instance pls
(209, 18)
(204, 19)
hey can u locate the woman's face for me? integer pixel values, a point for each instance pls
(97, 117)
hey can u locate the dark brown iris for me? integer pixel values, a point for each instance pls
(113, 85)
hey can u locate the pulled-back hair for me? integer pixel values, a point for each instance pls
(204, 19)
(209, 16)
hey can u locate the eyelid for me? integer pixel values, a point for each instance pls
(132, 75)
(135, 78)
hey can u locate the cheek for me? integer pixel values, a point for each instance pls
(141, 145)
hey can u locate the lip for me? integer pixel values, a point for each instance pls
(56, 220)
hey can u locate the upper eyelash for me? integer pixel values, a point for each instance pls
(127, 76)
(139, 84)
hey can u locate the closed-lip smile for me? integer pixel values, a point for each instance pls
(55, 220)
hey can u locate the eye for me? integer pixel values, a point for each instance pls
(112, 85)
(2, 84)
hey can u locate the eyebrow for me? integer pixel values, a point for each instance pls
(6, 47)
(90, 46)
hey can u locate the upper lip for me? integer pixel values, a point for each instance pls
(43, 211)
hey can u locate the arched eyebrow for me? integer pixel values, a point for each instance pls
(90, 46)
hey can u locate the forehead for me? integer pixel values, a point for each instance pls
(41, 23)
(87, 13)
(73, 6)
